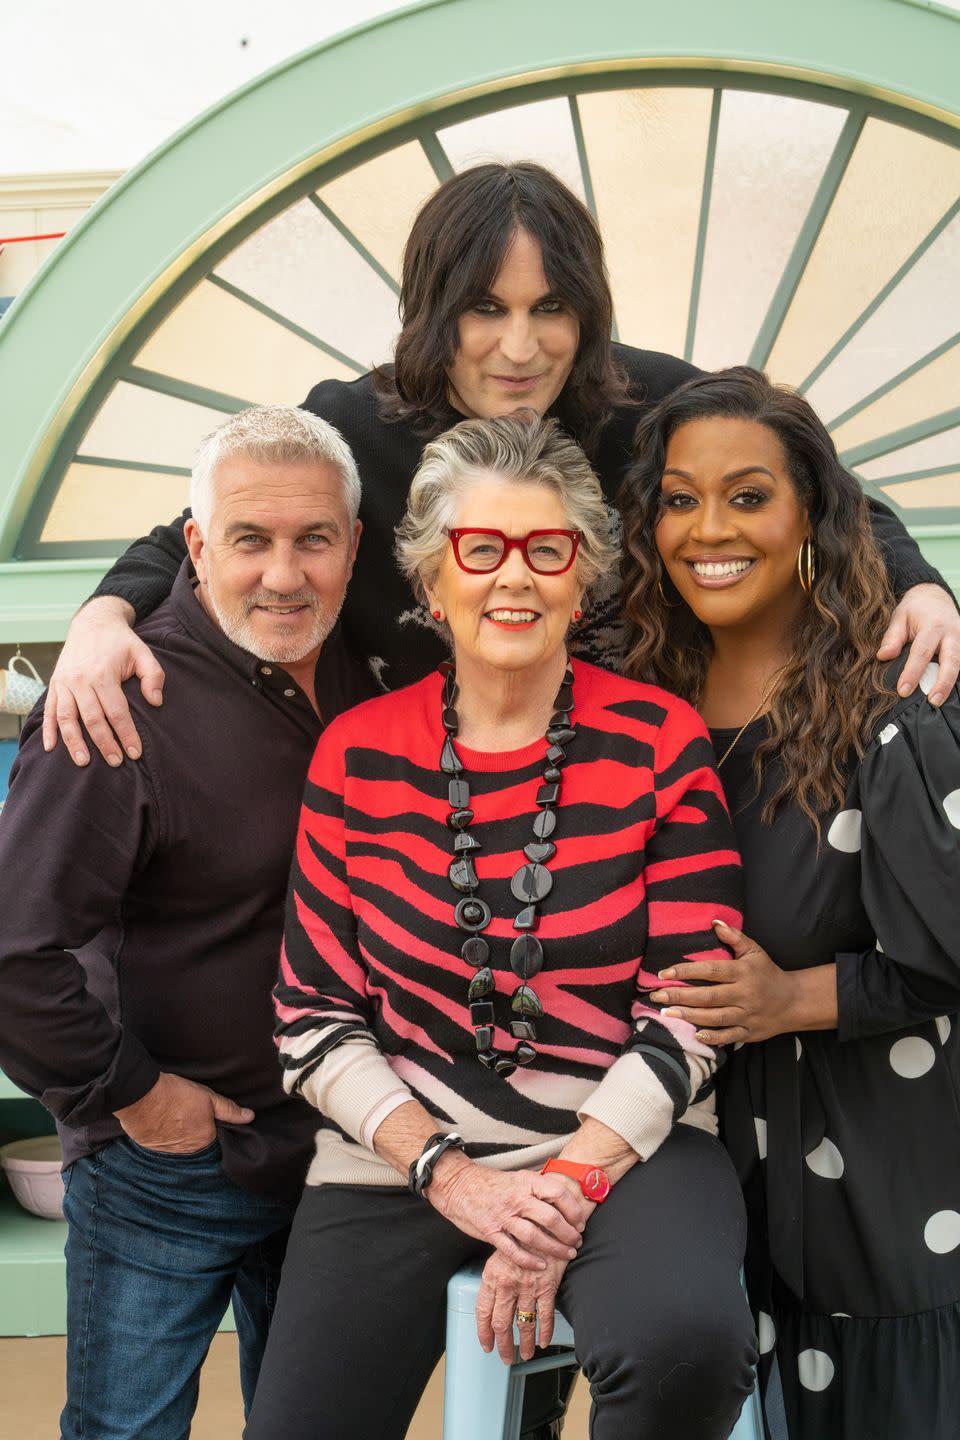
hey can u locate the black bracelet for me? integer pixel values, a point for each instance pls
(421, 1171)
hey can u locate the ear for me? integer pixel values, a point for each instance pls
(195, 546)
(354, 542)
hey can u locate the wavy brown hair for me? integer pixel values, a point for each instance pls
(832, 691)
(452, 258)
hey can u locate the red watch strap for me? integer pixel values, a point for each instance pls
(592, 1180)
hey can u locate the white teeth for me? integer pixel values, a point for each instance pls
(512, 617)
(722, 567)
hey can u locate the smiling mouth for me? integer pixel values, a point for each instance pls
(281, 609)
(715, 573)
(517, 382)
(512, 618)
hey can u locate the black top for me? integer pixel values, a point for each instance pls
(165, 882)
(847, 1141)
(381, 621)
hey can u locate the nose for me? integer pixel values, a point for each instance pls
(513, 573)
(518, 340)
(283, 571)
(712, 521)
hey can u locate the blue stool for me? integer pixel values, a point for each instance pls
(483, 1398)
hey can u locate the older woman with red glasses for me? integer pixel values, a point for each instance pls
(491, 867)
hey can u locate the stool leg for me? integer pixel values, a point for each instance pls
(476, 1385)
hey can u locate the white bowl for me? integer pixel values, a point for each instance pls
(33, 1170)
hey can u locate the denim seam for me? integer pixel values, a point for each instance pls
(96, 1170)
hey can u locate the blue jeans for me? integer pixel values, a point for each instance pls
(156, 1247)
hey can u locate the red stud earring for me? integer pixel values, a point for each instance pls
(437, 615)
(578, 614)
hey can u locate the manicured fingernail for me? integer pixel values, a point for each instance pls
(133, 752)
(702, 1034)
(666, 974)
(721, 922)
(114, 760)
(658, 996)
(672, 1011)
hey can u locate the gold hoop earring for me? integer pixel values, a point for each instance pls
(806, 565)
(670, 604)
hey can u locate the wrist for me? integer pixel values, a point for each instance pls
(106, 607)
(812, 1003)
(448, 1174)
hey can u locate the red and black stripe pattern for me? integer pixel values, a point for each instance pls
(645, 861)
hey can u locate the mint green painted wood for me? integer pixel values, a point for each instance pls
(32, 1272)
(892, 384)
(941, 546)
(704, 222)
(38, 598)
(897, 439)
(357, 244)
(9, 1091)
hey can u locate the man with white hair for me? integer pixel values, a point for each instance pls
(142, 926)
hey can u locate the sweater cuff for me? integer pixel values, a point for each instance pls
(144, 596)
(632, 1102)
(352, 1085)
(132, 1072)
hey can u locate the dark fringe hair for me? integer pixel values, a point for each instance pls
(831, 693)
(452, 258)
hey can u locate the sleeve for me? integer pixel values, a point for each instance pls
(70, 840)
(328, 1051)
(905, 564)
(692, 877)
(145, 572)
(909, 803)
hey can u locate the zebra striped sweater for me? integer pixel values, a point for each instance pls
(372, 998)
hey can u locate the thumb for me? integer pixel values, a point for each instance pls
(150, 675)
(895, 637)
(229, 1111)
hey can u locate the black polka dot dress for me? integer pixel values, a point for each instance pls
(847, 1142)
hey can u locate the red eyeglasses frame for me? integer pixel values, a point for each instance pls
(508, 544)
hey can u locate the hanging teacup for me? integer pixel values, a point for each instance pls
(19, 693)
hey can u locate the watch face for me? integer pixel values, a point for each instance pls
(596, 1186)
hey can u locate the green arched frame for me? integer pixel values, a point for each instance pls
(165, 225)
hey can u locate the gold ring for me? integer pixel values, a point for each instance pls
(526, 1317)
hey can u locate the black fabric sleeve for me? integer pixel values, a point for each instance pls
(910, 874)
(906, 566)
(145, 572)
(70, 840)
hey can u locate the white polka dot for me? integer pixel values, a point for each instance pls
(761, 1128)
(879, 948)
(796, 1041)
(912, 1057)
(839, 1315)
(929, 677)
(844, 833)
(826, 1161)
(942, 1232)
(943, 1028)
(888, 733)
(766, 1333)
(951, 808)
(815, 1369)
(738, 1044)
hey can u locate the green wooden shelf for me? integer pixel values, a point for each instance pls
(9, 1091)
(33, 1292)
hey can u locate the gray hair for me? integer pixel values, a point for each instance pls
(277, 435)
(522, 447)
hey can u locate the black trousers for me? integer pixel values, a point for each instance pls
(661, 1325)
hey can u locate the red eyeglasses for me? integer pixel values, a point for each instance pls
(546, 552)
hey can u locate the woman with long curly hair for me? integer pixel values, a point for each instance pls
(754, 589)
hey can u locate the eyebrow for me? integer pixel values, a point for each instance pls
(547, 295)
(733, 475)
(251, 527)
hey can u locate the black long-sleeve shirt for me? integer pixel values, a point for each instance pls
(143, 906)
(382, 623)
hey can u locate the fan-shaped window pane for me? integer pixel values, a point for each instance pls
(378, 200)
(929, 454)
(771, 154)
(138, 424)
(99, 502)
(896, 186)
(541, 131)
(216, 341)
(931, 492)
(930, 391)
(302, 267)
(647, 152)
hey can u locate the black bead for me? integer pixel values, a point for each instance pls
(544, 824)
(480, 986)
(465, 841)
(538, 853)
(568, 675)
(526, 957)
(475, 951)
(526, 1002)
(449, 720)
(523, 1030)
(484, 1039)
(524, 1054)
(472, 914)
(446, 668)
(564, 700)
(551, 774)
(449, 761)
(458, 794)
(549, 794)
(481, 1015)
(459, 819)
(560, 734)
(463, 877)
(488, 1057)
(504, 1066)
(531, 883)
(555, 754)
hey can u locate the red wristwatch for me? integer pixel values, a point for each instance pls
(592, 1180)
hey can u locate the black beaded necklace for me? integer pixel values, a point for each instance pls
(530, 885)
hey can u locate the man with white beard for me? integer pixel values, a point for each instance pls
(142, 927)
